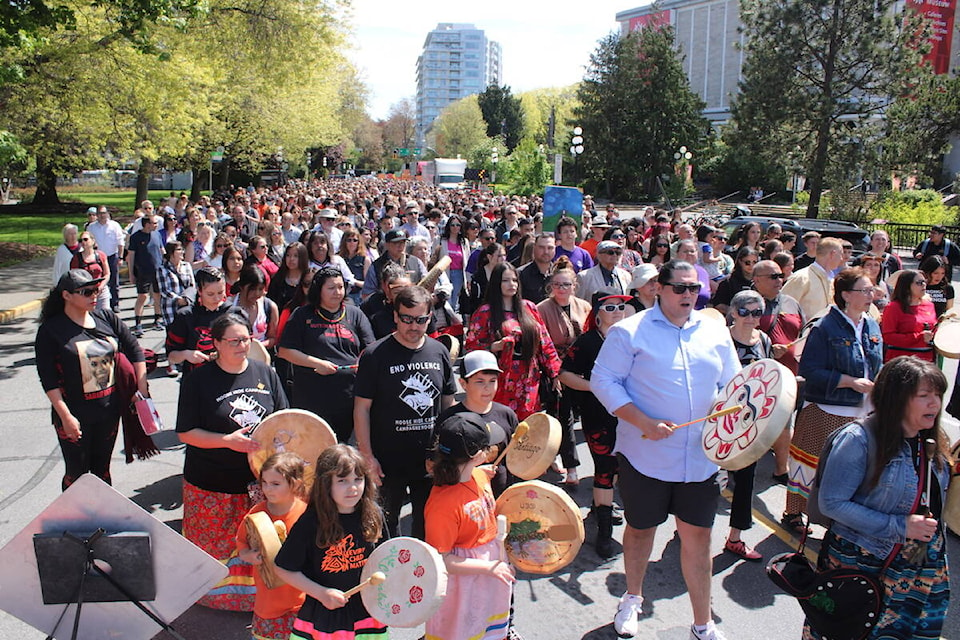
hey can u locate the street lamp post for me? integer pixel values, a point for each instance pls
(494, 158)
(682, 158)
(576, 147)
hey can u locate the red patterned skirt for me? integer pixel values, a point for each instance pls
(210, 521)
(273, 628)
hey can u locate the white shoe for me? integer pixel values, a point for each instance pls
(710, 633)
(627, 621)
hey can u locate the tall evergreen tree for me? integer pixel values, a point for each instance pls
(636, 109)
(817, 77)
(503, 114)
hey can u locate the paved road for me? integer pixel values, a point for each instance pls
(578, 602)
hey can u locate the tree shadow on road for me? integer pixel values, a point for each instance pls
(163, 495)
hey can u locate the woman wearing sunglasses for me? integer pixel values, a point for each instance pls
(599, 426)
(323, 340)
(740, 280)
(82, 355)
(751, 344)
(511, 327)
(910, 318)
(659, 250)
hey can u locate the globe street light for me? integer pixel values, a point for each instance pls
(494, 158)
(576, 146)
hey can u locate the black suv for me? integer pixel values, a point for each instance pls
(859, 238)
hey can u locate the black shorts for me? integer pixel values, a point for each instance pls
(147, 283)
(647, 501)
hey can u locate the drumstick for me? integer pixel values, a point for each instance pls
(521, 431)
(718, 414)
(344, 367)
(376, 578)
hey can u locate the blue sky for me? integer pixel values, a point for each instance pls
(544, 44)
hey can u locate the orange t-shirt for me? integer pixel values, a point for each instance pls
(274, 603)
(590, 246)
(461, 515)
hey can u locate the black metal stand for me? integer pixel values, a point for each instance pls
(89, 568)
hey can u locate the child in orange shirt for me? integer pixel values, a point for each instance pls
(281, 480)
(462, 525)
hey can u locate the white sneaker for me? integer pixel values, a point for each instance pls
(710, 633)
(627, 621)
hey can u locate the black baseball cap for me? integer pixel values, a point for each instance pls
(395, 235)
(75, 279)
(463, 435)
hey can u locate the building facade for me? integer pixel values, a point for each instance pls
(457, 61)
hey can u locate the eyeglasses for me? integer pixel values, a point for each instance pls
(87, 293)
(562, 285)
(613, 253)
(408, 319)
(870, 291)
(610, 308)
(745, 313)
(681, 288)
(772, 276)
(236, 342)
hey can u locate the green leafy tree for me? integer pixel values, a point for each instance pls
(546, 113)
(636, 109)
(458, 129)
(918, 127)
(526, 170)
(502, 114)
(817, 76)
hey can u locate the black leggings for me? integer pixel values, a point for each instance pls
(91, 453)
(741, 507)
(601, 442)
(393, 494)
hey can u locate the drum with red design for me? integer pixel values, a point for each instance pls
(767, 391)
(414, 585)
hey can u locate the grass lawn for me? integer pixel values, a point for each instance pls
(123, 200)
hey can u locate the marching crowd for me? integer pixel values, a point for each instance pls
(360, 293)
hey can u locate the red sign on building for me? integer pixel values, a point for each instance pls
(939, 16)
(658, 19)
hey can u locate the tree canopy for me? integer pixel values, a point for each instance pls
(502, 114)
(636, 109)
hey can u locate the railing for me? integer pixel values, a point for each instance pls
(907, 236)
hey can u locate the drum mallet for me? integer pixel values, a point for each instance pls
(520, 432)
(930, 451)
(718, 414)
(376, 578)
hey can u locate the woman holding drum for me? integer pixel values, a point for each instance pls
(884, 487)
(220, 404)
(841, 357)
(510, 327)
(323, 340)
(908, 321)
(746, 309)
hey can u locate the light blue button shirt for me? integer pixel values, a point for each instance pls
(670, 373)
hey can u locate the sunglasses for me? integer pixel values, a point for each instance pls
(681, 288)
(662, 246)
(87, 293)
(614, 253)
(408, 319)
(744, 313)
(353, 240)
(618, 236)
(610, 308)
(772, 276)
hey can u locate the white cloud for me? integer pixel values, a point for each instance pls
(543, 44)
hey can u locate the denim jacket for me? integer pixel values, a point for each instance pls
(831, 351)
(876, 518)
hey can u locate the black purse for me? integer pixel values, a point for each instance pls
(840, 604)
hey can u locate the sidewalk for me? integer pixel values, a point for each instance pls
(23, 287)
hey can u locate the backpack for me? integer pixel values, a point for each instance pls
(814, 515)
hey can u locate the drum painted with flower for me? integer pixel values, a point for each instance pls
(414, 586)
(767, 391)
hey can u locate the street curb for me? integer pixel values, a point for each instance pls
(9, 315)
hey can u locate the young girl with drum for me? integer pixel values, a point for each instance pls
(325, 551)
(461, 524)
(281, 480)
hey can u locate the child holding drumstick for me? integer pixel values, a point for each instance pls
(462, 526)
(328, 546)
(281, 480)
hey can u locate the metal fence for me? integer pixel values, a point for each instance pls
(907, 236)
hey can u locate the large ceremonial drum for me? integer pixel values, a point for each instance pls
(947, 337)
(951, 510)
(533, 453)
(258, 352)
(415, 584)
(266, 537)
(767, 391)
(544, 527)
(294, 430)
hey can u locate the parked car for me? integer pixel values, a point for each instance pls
(859, 238)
